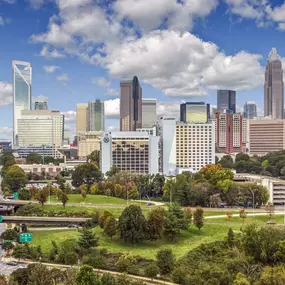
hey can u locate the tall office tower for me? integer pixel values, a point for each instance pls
(274, 87)
(96, 116)
(249, 110)
(226, 100)
(230, 133)
(41, 105)
(130, 105)
(194, 112)
(195, 146)
(148, 113)
(81, 119)
(40, 128)
(135, 152)
(22, 92)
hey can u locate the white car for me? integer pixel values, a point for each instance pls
(6, 200)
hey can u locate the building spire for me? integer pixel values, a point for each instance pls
(273, 55)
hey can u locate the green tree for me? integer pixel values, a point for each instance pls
(7, 159)
(132, 224)
(108, 279)
(9, 234)
(3, 280)
(33, 158)
(110, 228)
(113, 171)
(25, 194)
(272, 276)
(21, 251)
(83, 189)
(87, 239)
(231, 237)
(152, 271)
(86, 276)
(94, 189)
(155, 223)
(86, 173)
(118, 190)
(241, 280)
(226, 161)
(15, 178)
(188, 215)
(63, 198)
(94, 157)
(103, 217)
(198, 218)
(165, 260)
(126, 263)
(133, 193)
(39, 274)
(20, 276)
(42, 197)
(242, 215)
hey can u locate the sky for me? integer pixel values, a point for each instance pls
(181, 50)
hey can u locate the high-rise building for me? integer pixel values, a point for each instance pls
(88, 143)
(130, 105)
(195, 146)
(40, 128)
(274, 87)
(41, 105)
(230, 133)
(226, 100)
(149, 117)
(96, 116)
(249, 110)
(81, 118)
(135, 152)
(194, 112)
(22, 92)
(266, 136)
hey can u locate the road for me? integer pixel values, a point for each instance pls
(9, 269)
(248, 214)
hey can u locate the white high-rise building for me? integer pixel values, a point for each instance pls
(41, 128)
(148, 112)
(22, 92)
(135, 152)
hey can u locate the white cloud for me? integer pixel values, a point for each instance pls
(50, 68)
(6, 132)
(8, 1)
(49, 52)
(6, 93)
(112, 109)
(100, 81)
(40, 98)
(63, 77)
(113, 92)
(168, 109)
(69, 116)
(276, 14)
(2, 23)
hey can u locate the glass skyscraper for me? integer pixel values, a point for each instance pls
(194, 112)
(22, 87)
(226, 100)
(41, 105)
(148, 112)
(96, 115)
(249, 110)
(274, 87)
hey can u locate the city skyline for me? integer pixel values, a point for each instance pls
(228, 63)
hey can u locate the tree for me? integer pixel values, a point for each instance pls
(152, 271)
(33, 158)
(102, 219)
(133, 193)
(118, 190)
(83, 189)
(20, 276)
(113, 171)
(15, 178)
(188, 215)
(21, 252)
(86, 276)
(25, 194)
(63, 198)
(270, 209)
(231, 237)
(272, 276)
(227, 161)
(42, 197)
(242, 215)
(215, 201)
(86, 173)
(198, 218)
(110, 228)
(126, 263)
(165, 260)
(9, 234)
(39, 274)
(108, 279)
(87, 239)
(94, 189)
(94, 157)
(241, 280)
(132, 224)
(155, 223)
(7, 159)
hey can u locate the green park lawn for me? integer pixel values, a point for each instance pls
(213, 230)
(95, 199)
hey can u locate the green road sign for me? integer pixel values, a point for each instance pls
(16, 195)
(26, 237)
(1, 219)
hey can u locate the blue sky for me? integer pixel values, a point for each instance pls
(180, 50)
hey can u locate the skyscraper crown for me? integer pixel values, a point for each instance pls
(273, 55)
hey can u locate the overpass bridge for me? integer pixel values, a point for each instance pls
(64, 221)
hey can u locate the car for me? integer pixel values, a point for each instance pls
(149, 204)
(72, 226)
(6, 200)
(12, 263)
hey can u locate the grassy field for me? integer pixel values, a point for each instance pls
(95, 199)
(213, 230)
